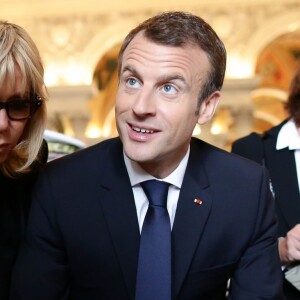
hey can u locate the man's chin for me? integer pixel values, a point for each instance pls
(137, 155)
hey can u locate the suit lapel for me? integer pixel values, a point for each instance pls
(120, 213)
(190, 217)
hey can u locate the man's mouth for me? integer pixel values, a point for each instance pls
(142, 130)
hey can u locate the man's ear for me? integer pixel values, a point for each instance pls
(208, 107)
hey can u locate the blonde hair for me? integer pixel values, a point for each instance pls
(17, 50)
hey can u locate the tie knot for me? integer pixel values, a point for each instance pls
(156, 192)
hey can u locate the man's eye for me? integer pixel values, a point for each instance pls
(131, 82)
(170, 89)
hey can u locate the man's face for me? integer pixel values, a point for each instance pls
(156, 103)
(10, 130)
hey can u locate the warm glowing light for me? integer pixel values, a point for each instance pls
(106, 132)
(216, 129)
(93, 132)
(66, 73)
(51, 75)
(197, 130)
(238, 67)
(73, 73)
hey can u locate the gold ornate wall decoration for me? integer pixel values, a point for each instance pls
(74, 37)
(275, 66)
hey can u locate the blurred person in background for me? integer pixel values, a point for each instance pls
(278, 149)
(22, 150)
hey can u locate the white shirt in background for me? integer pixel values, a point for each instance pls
(288, 136)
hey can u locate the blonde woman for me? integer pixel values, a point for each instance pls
(22, 123)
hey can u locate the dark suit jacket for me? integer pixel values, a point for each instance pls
(15, 200)
(14, 207)
(282, 171)
(83, 234)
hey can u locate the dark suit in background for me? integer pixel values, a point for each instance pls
(282, 171)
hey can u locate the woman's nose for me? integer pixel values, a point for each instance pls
(4, 120)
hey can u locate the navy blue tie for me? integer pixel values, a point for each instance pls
(154, 264)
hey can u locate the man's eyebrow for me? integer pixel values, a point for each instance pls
(162, 78)
(170, 77)
(130, 69)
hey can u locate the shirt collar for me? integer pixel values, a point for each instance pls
(137, 174)
(288, 137)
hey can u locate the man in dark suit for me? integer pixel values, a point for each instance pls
(279, 150)
(90, 225)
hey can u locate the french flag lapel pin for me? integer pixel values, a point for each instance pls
(198, 201)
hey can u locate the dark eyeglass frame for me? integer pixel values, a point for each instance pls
(33, 107)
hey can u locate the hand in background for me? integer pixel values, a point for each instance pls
(289, 247)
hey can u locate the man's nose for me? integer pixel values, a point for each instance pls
(145, 103)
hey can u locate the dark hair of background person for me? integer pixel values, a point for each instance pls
(293, 101)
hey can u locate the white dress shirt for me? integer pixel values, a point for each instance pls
(137, 175)
(289, 136)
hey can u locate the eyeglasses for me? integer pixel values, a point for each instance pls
(21, 109)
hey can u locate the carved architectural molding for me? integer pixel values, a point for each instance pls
(77, 42)
(73, 41)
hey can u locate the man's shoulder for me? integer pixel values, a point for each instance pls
(225, 170)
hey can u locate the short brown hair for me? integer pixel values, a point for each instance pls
(178, 29)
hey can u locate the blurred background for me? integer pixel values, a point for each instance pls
(79, 42)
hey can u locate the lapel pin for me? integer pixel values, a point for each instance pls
(198, 201)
